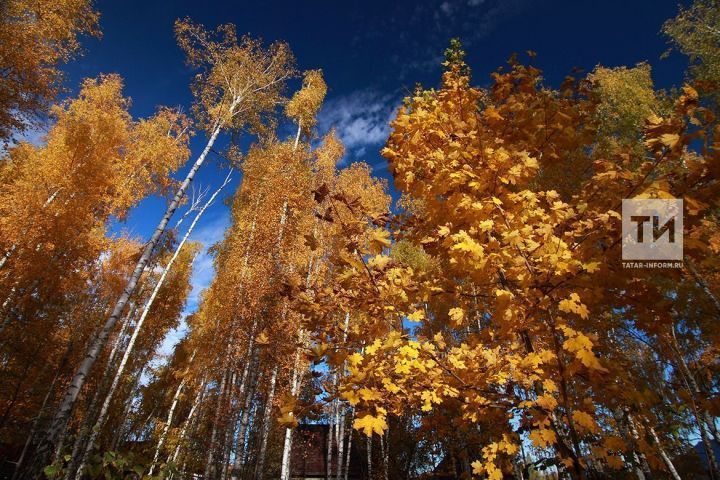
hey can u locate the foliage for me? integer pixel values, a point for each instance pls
(35, 38)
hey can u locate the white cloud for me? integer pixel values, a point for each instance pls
(361, 119)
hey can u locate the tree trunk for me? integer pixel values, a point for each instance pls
(643, 468)
(331, 435)
(36, 420)
(260, 465)
(230, 427)
(168, 422)
(241, 452)
(668, 463)
(384, 448)
(287, 445)
(349, 444)
(188, 421)
(690, 267)
(700, 417)
(213, 436)
(369, 458)
(59, 423)
(128, 350)
(81, 436)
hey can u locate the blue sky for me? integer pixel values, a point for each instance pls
(372, 53)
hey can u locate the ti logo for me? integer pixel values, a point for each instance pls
(652, 229)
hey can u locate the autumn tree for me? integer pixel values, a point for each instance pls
(239, 84)
(35, 39)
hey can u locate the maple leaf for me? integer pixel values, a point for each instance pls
(543, 437)
(369, 394)
(379, 262)
(585, 421)
(321, 192)
(311, 241)
(262, 339)
(573, 305)
(379, 240)
(370, 424)
(457, 315)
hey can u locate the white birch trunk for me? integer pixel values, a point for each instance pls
(168, 422)
(59, 423)
(229, 428)
(287, 445)
(369, 457)
(341, 415)
(331, 433)
(668, 463)
(188, 421)
(349, 444)
(213, 435)
(136, 332)
(81, 437)
(260, 465)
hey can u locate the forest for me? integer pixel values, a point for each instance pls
(471, 319)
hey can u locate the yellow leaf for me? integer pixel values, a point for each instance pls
(543, 437)
(369, 394)
(456, 316)
(379, 240)
(669, 139)
(585, 421)
(370, 424)
(379, 262)
(573, 305)
(288, 420)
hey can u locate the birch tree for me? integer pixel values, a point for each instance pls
(239, 84)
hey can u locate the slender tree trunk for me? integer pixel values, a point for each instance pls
(297, 136)
(188, 421)
(700, 417)
(369, 458)
(230, 427)
(668, 463)
(213, 436)
(287, 445)
(349, 444)
(250, 360)
(331, 435)
(36, 420)
(241, 453)
(168, 422)
(690, 267)
(341, 415)
(120, 433)
(260, 465)
(59, 423)
(384, 447)
(128, 350)
(643, 468)
(81, 437)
